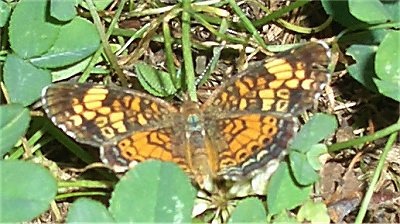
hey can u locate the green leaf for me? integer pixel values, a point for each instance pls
(153, 191)
(85, 210)
(315, 212)
(23, 81)
(340, 12)
(156, 82)
(301, 168)
(284, 217)
(372, 11)
(316, 129)
(100, 5)
(366, 37)
(388, 88)
(30, 32)
(313, 155)
(67, 50)
(283, 192)
(387, 63)
(67, 72)
(363, 69)
(63, 10)
(70, 71)
(14, 120)
(5, 10)
(26, 190)
(392, 8)
(249, 210)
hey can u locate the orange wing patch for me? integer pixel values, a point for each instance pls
(252, 140)
(139, 146)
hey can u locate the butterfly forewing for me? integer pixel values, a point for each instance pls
(287, 83)
(94, 114)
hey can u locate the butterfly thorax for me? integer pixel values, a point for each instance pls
(202, 158)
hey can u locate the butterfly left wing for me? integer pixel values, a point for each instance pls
(252, 115)
(128, 126)
(93, 114)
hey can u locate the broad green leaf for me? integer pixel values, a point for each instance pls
(366, 37)
(86, 210)
(63, 10)
(316, 212)
(284, 217)
(153, 191)
(363, 69)
(392, 8)
(388, 88)
(31, 33)
(340, 12)
(99, 4)
(283, 192)
(26, 190)
(70, 71)
(249, 210)
(371, 11)
(76, 40)
(14, 120)
(387, 60)
(301, 168)
(5, 10)
(24, 82)
(313, 155)
(316, 129)
(67, 72)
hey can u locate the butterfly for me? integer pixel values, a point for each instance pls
(244, 125)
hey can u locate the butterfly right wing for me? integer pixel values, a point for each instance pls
(251, 116)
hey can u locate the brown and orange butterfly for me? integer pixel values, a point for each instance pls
(246, 123)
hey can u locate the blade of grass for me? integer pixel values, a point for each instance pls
(305, 30)
(80, 194)
(362, 140)
(187, 52)
(229, 38)
(169, 53)
(247, 23)
(279, 13)
(214, 60)
(375, 178)
(73, 147)
(85, 184)
(104, 39)
(31, 142)
(147, 37)
(133, 35)
(155, 11)
(69, 143)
